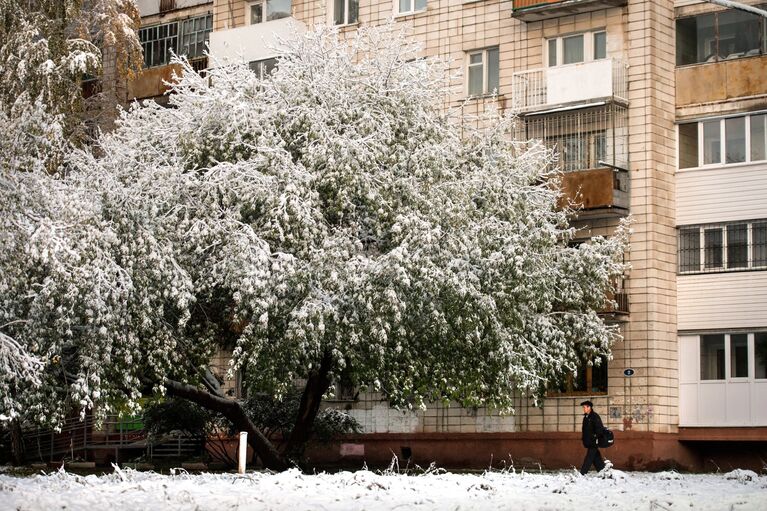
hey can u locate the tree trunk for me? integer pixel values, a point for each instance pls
(233, 411)
(17, 443)
(316, 386)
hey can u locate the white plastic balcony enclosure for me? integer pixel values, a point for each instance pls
(252, 43)
(584, 82)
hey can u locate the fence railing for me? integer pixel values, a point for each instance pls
(532, 88)
(521, 4)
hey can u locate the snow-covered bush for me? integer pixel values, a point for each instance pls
(332, 218)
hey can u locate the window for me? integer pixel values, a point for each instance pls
(759, 244)
(712, 357)
(572, 49)
(688, 145)
(410, 6)
(345, 12)
(739, 139)
(713, 245)
(269, 10)
(758, 137)
(576, 48)
(739, 356)
(737, 246)
(187, 37)
(600, 45)
(760, 355)
(689, 250)
(712, 143)
(735, 139)
(719, 36)
(194, 36)
(552, 48)
(733, 356)
(263, 68)
(588, 379)
(733, 246)
(482, 72)
(158, 42)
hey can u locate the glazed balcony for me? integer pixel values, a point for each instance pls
(537, 10)
(549, 88)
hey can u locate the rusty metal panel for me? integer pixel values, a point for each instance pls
(151, 82)
(720, 81)
(589, 189)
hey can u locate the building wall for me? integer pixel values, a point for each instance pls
(718, 301)
(641, 34)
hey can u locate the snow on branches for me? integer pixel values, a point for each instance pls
(332, 213)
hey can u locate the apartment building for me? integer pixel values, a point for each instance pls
(657, 109)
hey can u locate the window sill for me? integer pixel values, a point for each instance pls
(409, 14)
(347, 25)
(485, 96)
(719, 271)
(717, 166)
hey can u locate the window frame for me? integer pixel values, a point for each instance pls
(589, 47)
(728, 369)
(177, 38)
(346, 23)
(702, 261)
(701, 149)
(485, 71)
(412, 10)
(250, 4)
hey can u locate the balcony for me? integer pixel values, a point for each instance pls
(537, 10)
(152, 82)
(551, 88)
(597, 193)
(618, 309)
(590, 147)
(255, 42)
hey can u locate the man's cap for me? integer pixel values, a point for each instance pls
(588, 403)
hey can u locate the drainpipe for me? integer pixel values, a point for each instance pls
(737, 5)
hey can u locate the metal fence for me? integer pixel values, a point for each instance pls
(529, 89)
(583, 138)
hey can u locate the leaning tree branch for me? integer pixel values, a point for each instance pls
(233, 411)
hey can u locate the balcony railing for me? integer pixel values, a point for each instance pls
(542, 88)
(536, 10)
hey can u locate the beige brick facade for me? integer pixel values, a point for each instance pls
(641, 35)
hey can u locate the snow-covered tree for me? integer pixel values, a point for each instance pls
(47, 47)
(330, 220)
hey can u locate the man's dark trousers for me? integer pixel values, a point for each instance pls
(592, 458)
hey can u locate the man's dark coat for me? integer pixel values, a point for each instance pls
(591, 429)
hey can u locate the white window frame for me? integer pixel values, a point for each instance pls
(485, 69)
(728, 377)
(722, 142)
(412, 10)
(588, 47)
(332, 18)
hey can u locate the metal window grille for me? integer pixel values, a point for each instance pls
(732, 246)
(584, 138)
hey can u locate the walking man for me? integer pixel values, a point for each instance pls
(591, 429)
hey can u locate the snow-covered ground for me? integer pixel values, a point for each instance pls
(294, 491)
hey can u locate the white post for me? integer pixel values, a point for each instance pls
(243, 452)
